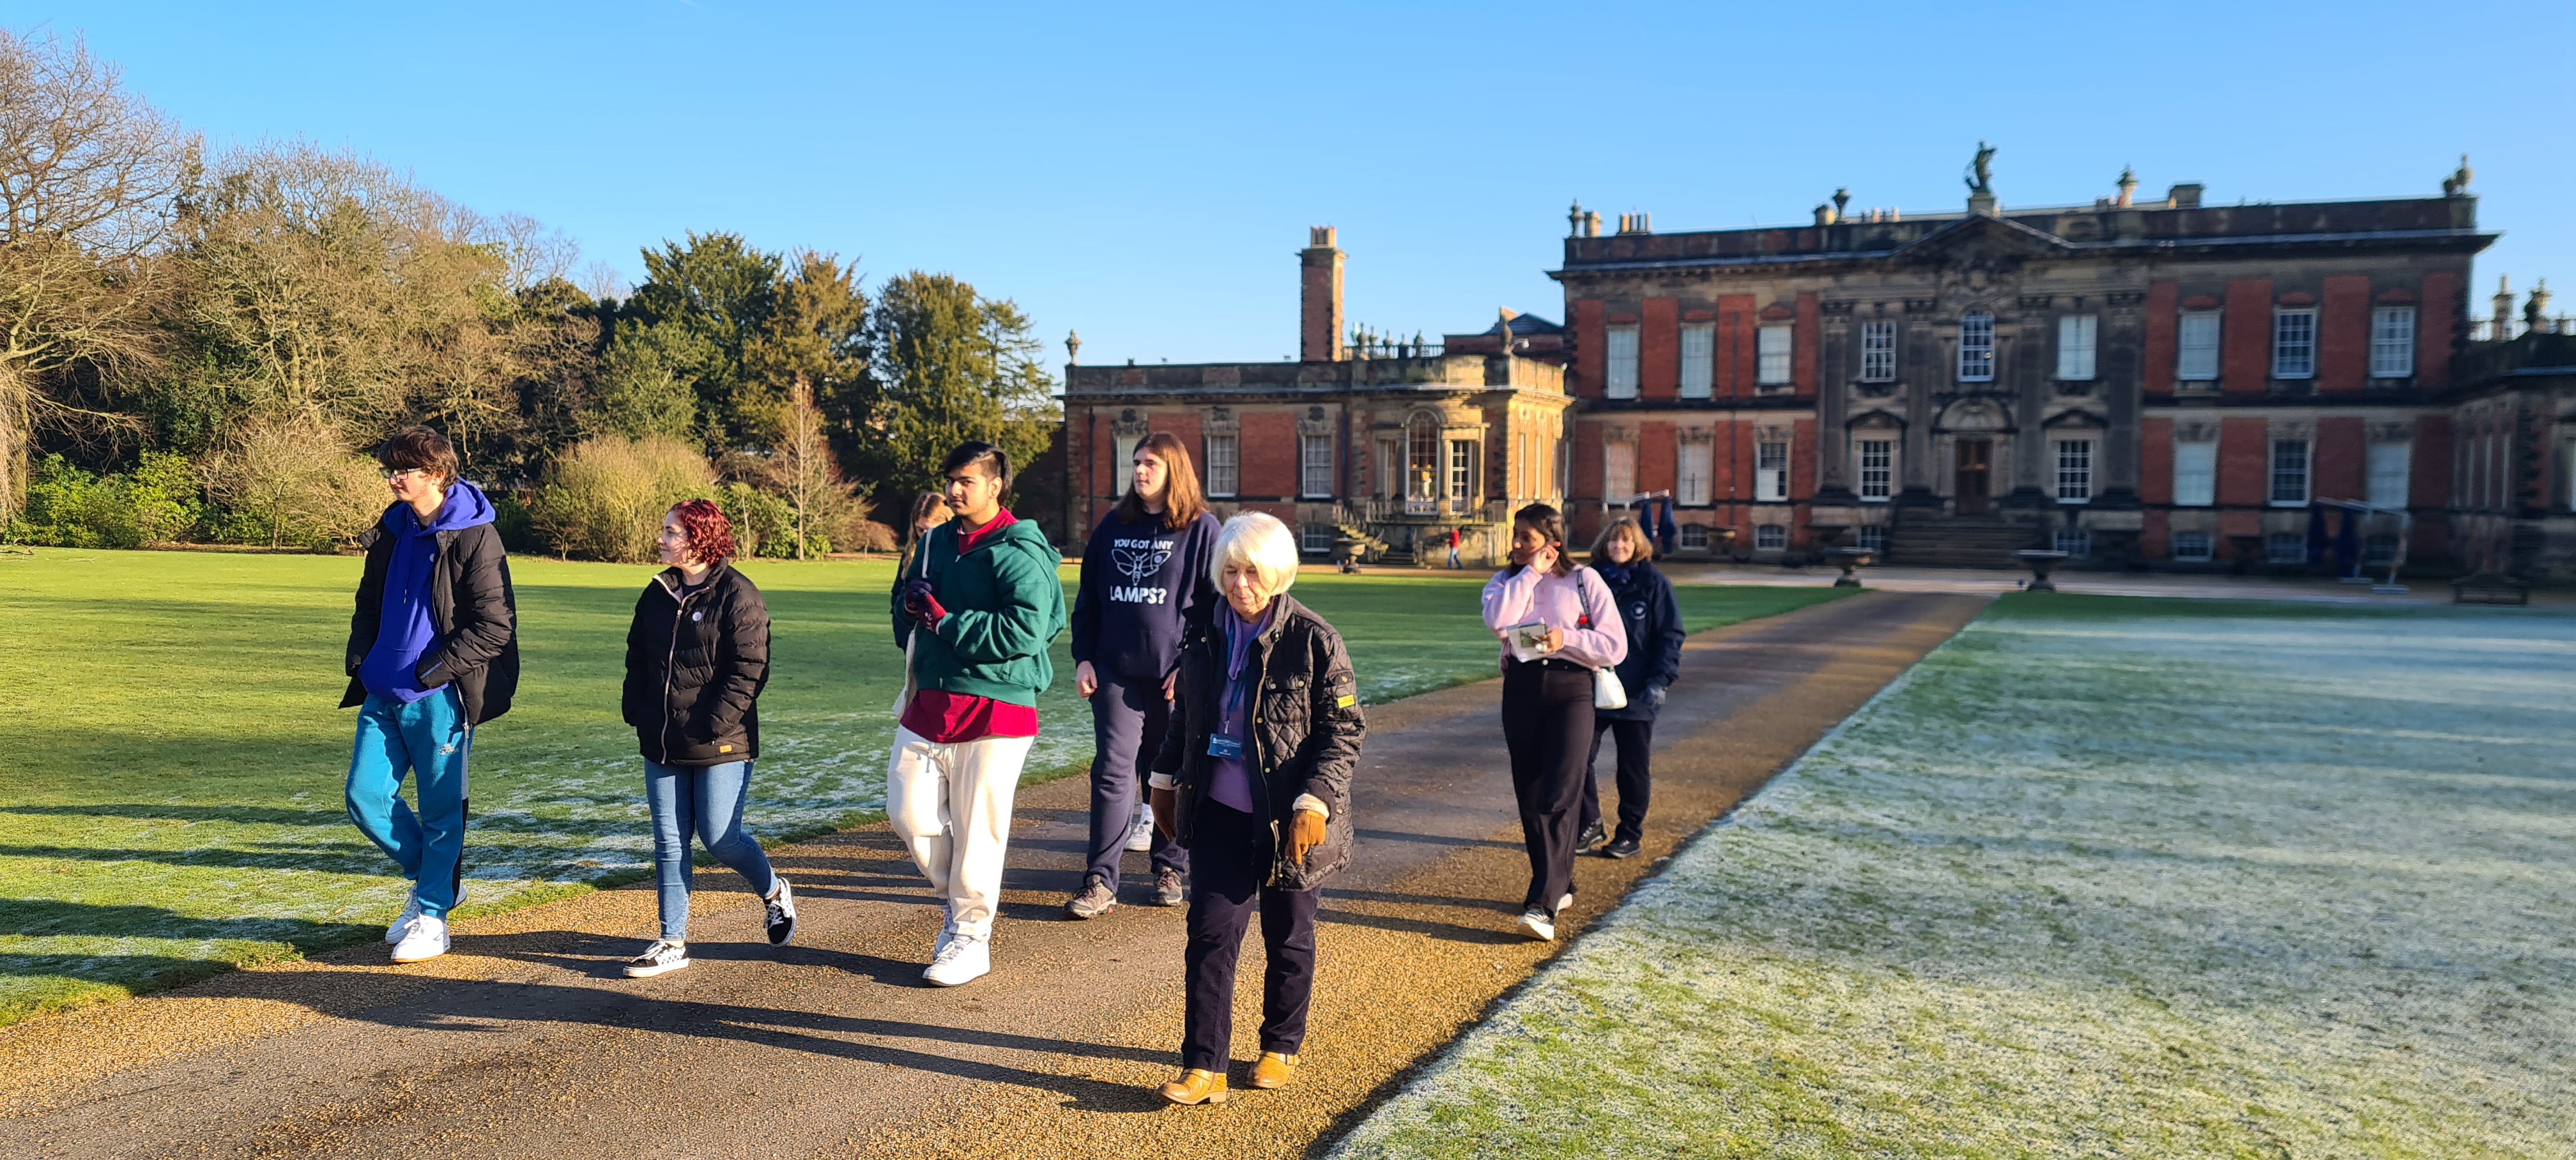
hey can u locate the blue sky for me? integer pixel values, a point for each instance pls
(1145, 174)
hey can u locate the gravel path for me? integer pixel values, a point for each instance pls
(524, 1042)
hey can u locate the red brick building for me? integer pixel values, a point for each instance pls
(1393, 443)
(2163, 381)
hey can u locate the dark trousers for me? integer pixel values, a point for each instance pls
(1233, 860)
(1547, 726)
(1636, 739)
(1127, 721)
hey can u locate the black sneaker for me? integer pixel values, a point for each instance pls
(1593, 835)
(1623, 848)
(780, 916)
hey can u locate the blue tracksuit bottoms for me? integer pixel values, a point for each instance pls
(427, 738)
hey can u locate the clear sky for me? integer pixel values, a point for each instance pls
(1145, 174)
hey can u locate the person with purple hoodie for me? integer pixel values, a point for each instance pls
(433, 652)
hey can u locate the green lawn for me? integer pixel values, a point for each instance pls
(170, 794)
(2099, 877)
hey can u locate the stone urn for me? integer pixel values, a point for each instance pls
(1850, 559)
(2040, 564)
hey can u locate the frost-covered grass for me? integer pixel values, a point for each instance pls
(2100, 877)
(171, 750)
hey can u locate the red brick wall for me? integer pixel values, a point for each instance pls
(1802, 461)
(2155, 461)
(2244, 462)
(1586, 481)
(2435, 321)
(1587, 376)
(2163, 301)
(1735, 351)
(1806, 345)
(1269, 453)
(1184, 426)
(2237, 524)
(2340, 462)
(2245, 356)
(2429, 481)
(2155, 536)
(1659, 349)
(1656, 455)
(2343, 333)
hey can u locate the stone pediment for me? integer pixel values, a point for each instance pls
(1975, 237)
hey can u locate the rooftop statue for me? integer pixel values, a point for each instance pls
(1982, 170)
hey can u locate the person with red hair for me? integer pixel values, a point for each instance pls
(696, 659)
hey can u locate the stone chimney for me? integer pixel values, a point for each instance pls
(2503, 324)
(2184, 195)
(2128, 187)
(1319, 298)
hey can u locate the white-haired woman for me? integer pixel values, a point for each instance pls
(1254, 780)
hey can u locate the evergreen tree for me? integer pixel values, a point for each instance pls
(951, 366)
(709, 300)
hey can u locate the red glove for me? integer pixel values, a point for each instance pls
(928, 612)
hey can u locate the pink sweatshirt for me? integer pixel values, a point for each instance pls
(1559, 602)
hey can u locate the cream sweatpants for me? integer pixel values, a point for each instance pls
(951, 804)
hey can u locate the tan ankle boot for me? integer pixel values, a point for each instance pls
(1274, 1070)
(1196, 1086)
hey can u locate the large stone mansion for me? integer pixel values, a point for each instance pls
(2160, 382)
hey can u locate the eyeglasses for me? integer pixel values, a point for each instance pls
(393, 473)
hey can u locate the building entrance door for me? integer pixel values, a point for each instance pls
(1976, 464)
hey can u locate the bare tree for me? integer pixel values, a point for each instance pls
(89, 180)
(802, 469)
(297, 475)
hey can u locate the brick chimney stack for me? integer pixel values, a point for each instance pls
(1319, 298)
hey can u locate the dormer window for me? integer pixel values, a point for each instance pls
(1977, 348)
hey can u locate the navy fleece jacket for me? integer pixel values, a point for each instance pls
(405, 632)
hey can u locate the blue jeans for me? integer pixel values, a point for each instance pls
(705, 801)
(428, 738)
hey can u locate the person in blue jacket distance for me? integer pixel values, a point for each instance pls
(1626, 561)
(1145, 589)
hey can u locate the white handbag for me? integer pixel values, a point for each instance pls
(1607, 692)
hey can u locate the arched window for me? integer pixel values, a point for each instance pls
(1422, 458)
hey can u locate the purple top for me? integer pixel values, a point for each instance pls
(1562, 603)
(1232, 784)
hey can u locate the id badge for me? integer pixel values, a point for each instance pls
(1228, 748)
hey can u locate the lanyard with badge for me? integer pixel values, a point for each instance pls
(1220, 745)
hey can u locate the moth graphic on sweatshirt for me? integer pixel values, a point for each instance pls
(1140, 560)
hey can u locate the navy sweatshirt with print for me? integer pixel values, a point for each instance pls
(1143, 587)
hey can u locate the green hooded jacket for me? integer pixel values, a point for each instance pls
(1005, 607)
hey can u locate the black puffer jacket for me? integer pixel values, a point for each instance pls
(1306, 728)
(470, 603)
(695, 666)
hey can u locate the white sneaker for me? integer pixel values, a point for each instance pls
(1140, 833)
(410, 911)
(663, 957)
(1539, 925)
(964, 960)
(426, 939)
(1566, 901)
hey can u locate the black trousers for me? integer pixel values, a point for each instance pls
(1636, 787)
(1127, 721)
(1229, 859)
(1547, 726)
